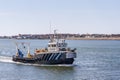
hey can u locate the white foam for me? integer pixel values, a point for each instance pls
(6, 59)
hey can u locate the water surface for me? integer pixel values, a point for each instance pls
(96, 60)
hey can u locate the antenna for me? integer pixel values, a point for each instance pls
(50, 26)
(50, 30)
(55, 34)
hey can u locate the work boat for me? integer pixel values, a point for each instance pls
(57, 52)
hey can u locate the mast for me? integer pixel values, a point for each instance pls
(55, 34)
(28, 47)
(28, 54)
(50, 36)
(16, 49)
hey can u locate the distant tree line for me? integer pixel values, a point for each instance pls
(64, 36)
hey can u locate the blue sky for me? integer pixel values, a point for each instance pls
(67, 16)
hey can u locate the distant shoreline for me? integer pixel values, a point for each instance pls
(72, 39)
(118, 38)
(65, 36)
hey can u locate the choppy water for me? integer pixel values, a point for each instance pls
(96, 60)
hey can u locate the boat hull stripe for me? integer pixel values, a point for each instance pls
(55, 55)
(51, 56)
(58, 56)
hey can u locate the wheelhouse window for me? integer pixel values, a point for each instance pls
(52, 45)
(48, 45)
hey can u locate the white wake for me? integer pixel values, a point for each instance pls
(6, 59)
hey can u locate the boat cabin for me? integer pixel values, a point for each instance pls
(57, 45)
